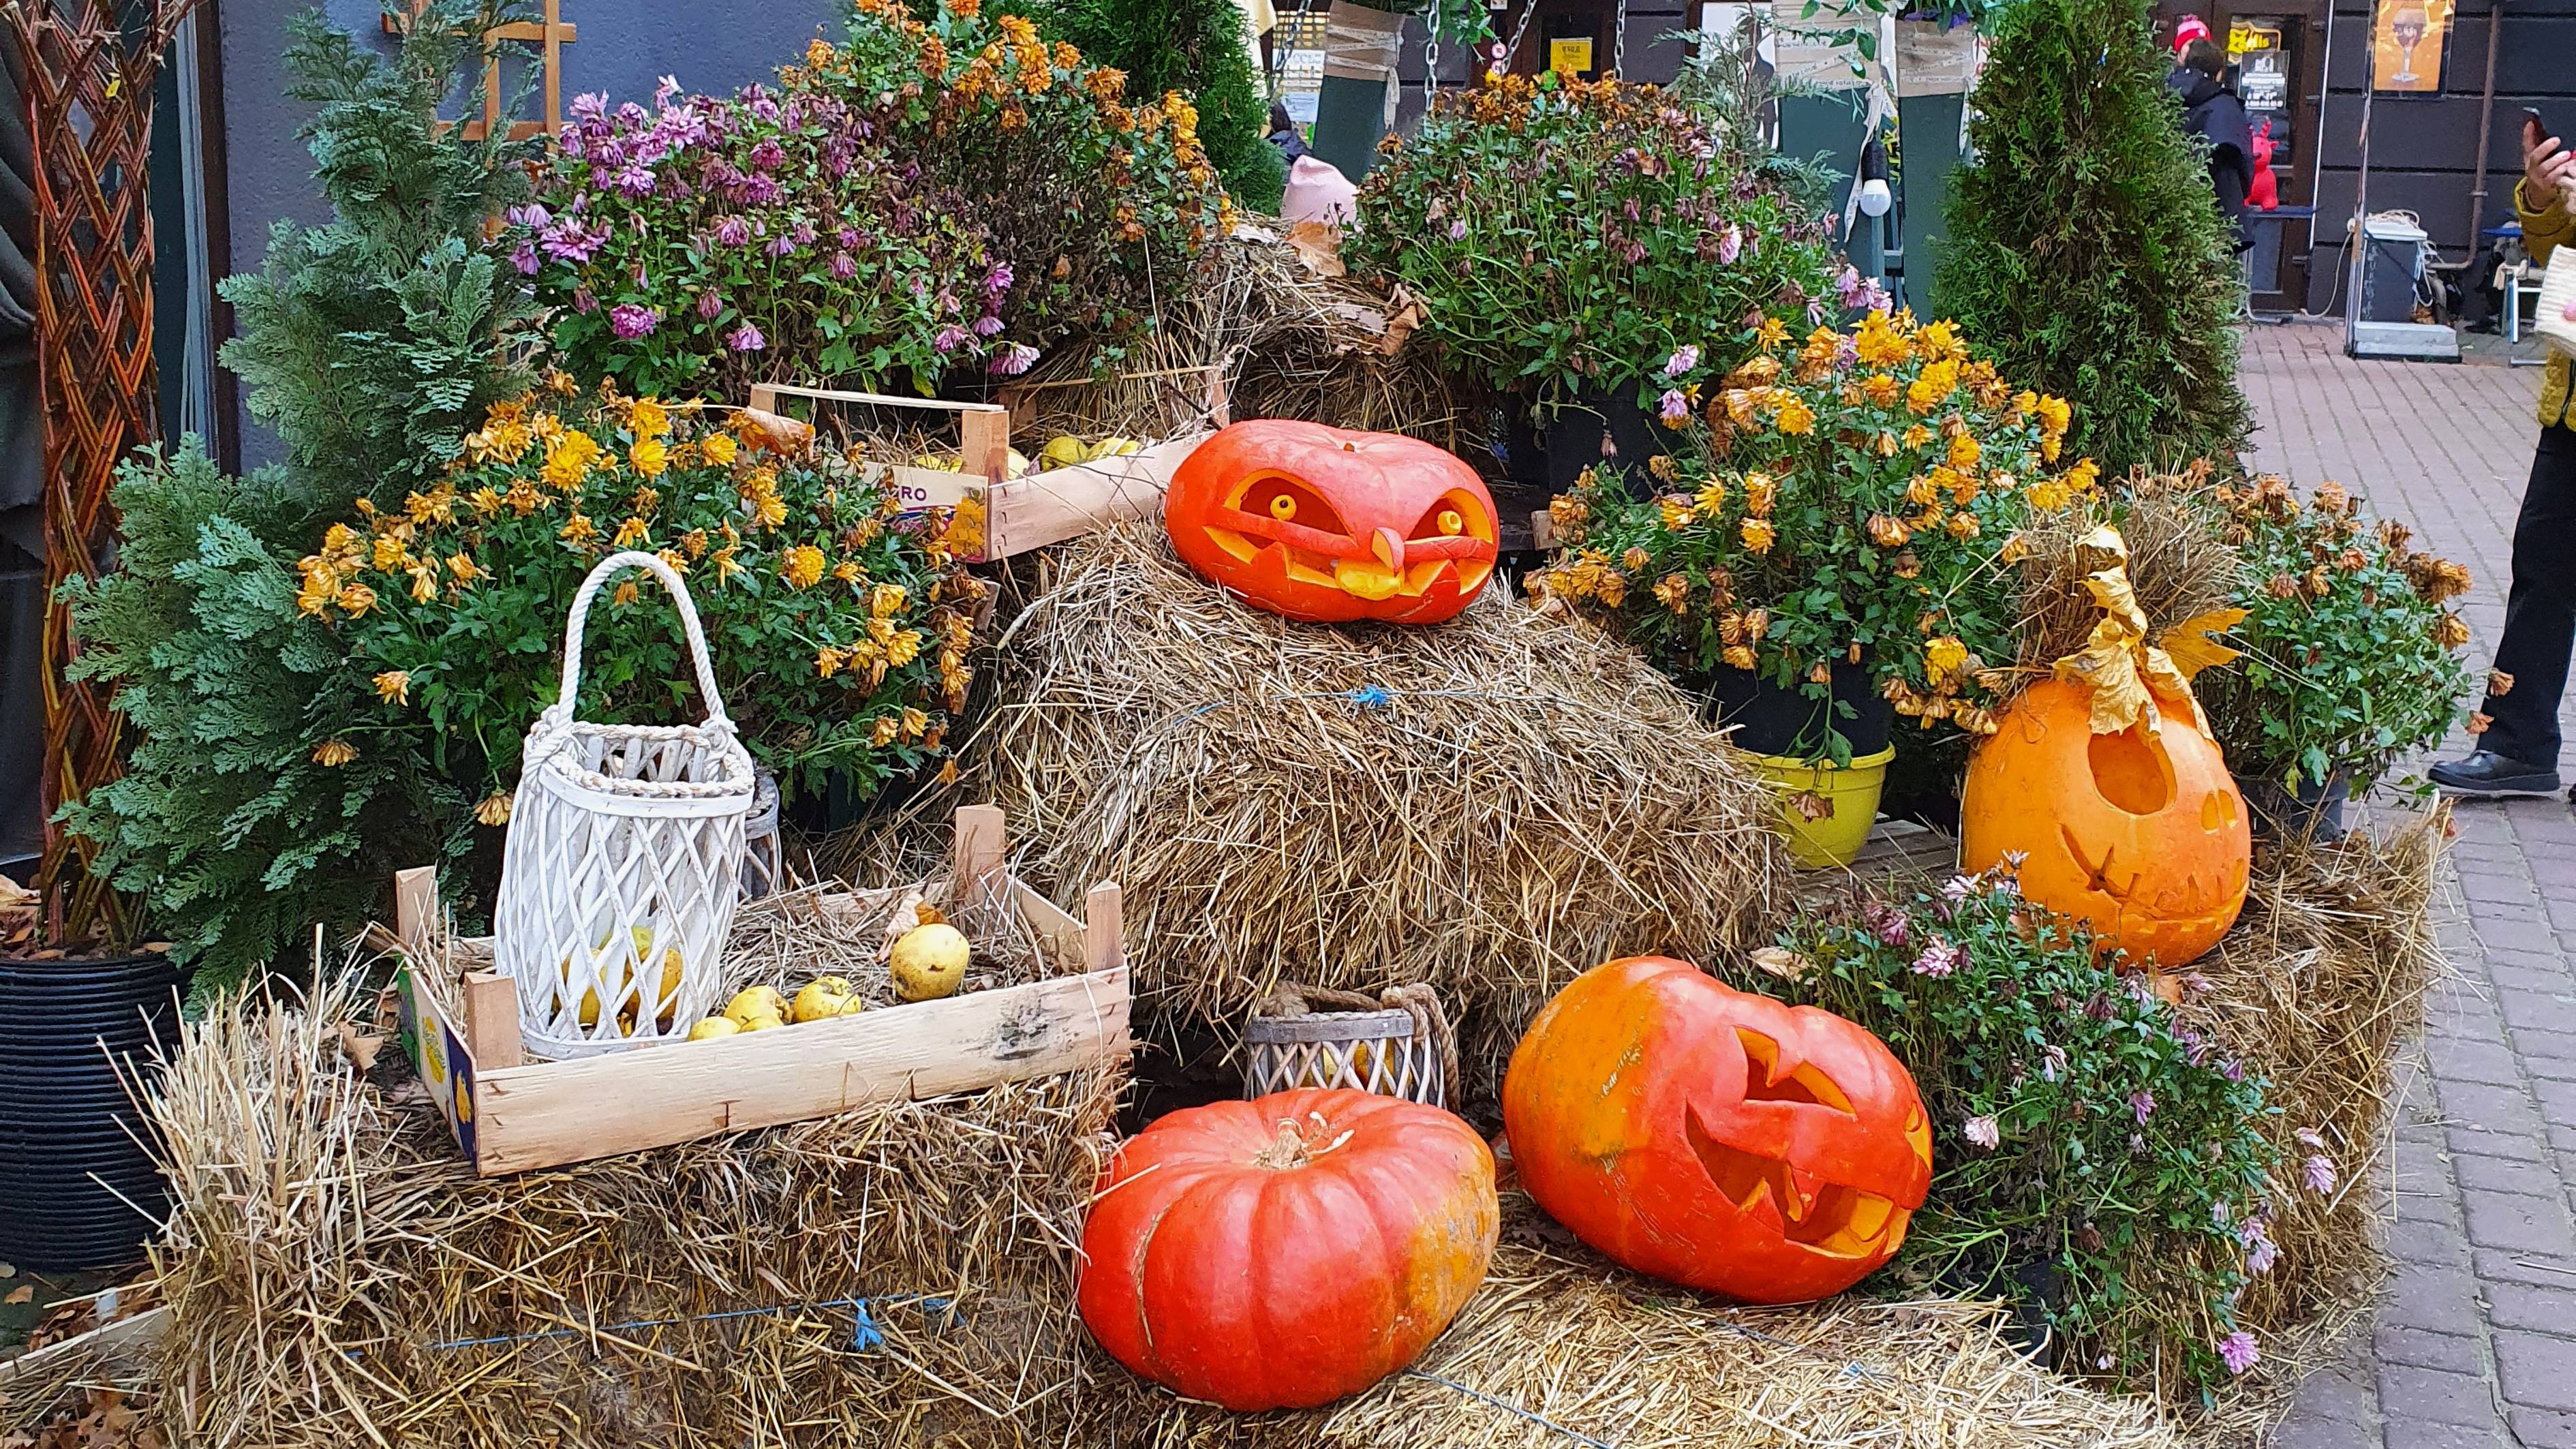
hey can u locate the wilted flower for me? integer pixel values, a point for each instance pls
(2238, 1352)
(2142, 1102)
(746, 338)
(1984, 1131)
(1684, 358)
(1013, 360)
(394, 686)
(2318, 1173)
(1940, 958)
(330, 754)
(494, 808)
(631, 320)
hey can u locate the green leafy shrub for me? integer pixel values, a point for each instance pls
(2091, 1151)
(373, 341)
(712, 243)
(2085, 251)
(1096, 207)
(223, 821)
(839, 631)
(1846, 501)
(2350, 657)
(1570, 238)
(1195, 47)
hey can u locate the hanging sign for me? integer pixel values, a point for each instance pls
(2409, 41)
(1570, 55)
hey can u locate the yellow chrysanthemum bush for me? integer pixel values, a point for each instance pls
(1850, 499)
(840, 630)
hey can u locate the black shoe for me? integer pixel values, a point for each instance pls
(2485, 772)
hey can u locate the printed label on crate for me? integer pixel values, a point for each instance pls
(439, 1055)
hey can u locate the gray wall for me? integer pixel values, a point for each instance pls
(625, 47)
(2423, 150)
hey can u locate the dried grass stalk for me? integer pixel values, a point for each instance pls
(1492, 806)
(333, 1264)
(2178, 564)
(1560, 1336)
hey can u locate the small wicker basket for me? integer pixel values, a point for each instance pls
(1397, 1044)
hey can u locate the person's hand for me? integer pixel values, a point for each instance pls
(2546, 168)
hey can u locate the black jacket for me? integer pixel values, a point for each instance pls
(2212, 112)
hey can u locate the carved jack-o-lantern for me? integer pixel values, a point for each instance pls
(2140, 833)
(1326, 525)
(1717, 1138)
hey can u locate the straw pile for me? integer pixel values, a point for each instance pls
(1492, 806)
(2322, 984)
(889, 1275)
(2178, 565)
(1560, 1349)
(1288, 342)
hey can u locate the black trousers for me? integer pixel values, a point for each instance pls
(2540, 613)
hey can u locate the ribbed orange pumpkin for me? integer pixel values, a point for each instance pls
(1329, 526)
(1714, 1137)
(2141, 834)
(1288, 1251)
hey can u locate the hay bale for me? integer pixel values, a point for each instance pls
(1561, 1349)
(1493, 805)
(2179, 566)
(2321, 985)
(340, 1277)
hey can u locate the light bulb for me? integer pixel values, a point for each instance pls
(1874, 197)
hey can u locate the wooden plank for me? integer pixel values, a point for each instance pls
(1037, 509)
(1103, 928)
(416, 910)
(982, 845)
(123, 1341)
(492, 1021)
(552, 1113)
(1061, 938)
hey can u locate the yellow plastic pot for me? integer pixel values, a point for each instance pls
(1850, 791)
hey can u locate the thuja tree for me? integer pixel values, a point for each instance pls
(371, 343)
(2086, 254)
(1196, 47)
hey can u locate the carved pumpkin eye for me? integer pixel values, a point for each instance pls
(1283, 507)
(1290, 501)
(1454, 514)
(1451, 525)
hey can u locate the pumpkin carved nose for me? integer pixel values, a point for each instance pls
(1388, 545)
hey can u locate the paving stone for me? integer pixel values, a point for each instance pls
(2525, 1305)
(2458, 1353)
(2504, 1174)
(2433, 1396)
(2523, 1224)
(2536, 1370)
(2538, 1429)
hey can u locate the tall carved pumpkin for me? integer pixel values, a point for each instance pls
(1287, 1251)
(1717, 1138)
(2139, 832)
(1329, 526)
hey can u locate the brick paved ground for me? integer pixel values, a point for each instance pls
(2475, 1343)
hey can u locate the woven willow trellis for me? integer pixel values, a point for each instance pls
(90, 67)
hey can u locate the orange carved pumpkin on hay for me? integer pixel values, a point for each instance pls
(1329, 526)
(2107, 784)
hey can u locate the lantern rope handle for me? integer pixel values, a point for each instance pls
(559, 714)
(1292, 998)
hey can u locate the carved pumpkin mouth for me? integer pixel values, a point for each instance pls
(1836, 1219)
(1274, 522)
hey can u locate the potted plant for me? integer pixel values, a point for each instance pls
(2350, 652)
(1592, 246)
(1826, 548)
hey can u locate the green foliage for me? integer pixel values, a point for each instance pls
(2349, 651)
(1201, 49)
(372, 342)
(2086, 252)
(2088, 1144)
(1847, 500)
(223, 821)
(1725, 80)
(1572, 237)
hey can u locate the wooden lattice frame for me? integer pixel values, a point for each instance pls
(89, 87)
(551, 32)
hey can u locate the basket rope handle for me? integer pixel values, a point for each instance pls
(560, 712)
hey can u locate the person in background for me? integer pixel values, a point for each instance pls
(2212, 112)
(2517, 751)
(1283, 134)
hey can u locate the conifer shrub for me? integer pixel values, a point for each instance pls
(2086, 254)
(1196, 47)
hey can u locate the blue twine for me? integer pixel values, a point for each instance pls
(864, 1334)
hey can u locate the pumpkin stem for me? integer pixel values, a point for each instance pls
(1296, 1146)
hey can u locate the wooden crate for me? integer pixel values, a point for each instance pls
(1017, 514)
(510, 1114)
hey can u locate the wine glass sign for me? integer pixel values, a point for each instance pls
(2410, 39)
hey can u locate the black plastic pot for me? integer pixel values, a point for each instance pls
(1574, 439)
(1770, 719)
(78, 1189)
(2312, 812)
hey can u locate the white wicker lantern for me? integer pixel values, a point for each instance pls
(624, 859)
